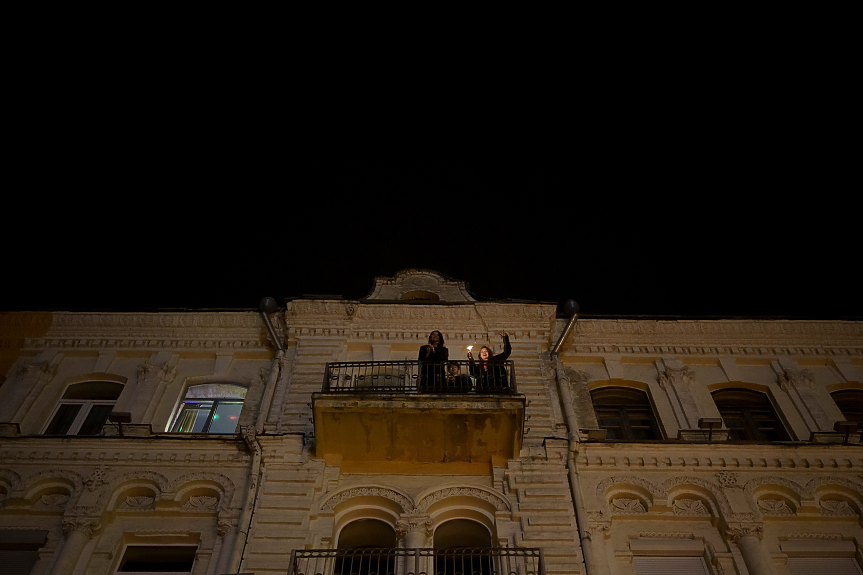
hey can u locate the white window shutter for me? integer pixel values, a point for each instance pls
(822, 565)
(672, 566)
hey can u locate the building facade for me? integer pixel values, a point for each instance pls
(629, 447)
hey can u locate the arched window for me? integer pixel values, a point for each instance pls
(459, 545)
(210, 408)
(625, 413)
(371, 543)
(850, 402)
(749, 415)
(84, 408)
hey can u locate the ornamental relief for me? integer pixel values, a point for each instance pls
(835, 508)
(774, 507)
(622, 506)
(138, 502)
(201, 504)
(690, 507)
(52, 502)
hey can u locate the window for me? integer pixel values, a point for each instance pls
(625, 413)
(749, 416)
(153, 559)
(458, 544)
(821, 565)
(372, 542)
(669, 565)
(84, 408)
(210, 408)
(850, 402)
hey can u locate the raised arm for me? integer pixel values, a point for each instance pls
(507, 348)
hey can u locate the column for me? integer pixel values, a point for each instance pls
(416, 529)
(228, 534)
(77, 533)
(748, 539)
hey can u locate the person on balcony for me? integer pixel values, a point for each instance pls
(456, 382)
(490, 374)
(433, 358)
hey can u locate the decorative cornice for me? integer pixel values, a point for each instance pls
(717, 337)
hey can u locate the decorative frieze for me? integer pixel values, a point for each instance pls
(138, 502)
(663, 535)
(836, 508)
(395, 496)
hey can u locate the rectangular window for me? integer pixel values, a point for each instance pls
(79, 417)
(822, 565)
(152, 559)
(670, 566)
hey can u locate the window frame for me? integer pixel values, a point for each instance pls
(81, 417)
(856, 412)
(623, 414)
(216, 401)
(751, 428)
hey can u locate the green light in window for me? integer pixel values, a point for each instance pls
(216, 416)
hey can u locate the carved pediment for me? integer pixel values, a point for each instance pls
(419, 285)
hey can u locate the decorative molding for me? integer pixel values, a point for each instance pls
(12, 479)
(691, 507)
(607, 483)
(98, 478)
(662, 535)
(728, 479)
(161, 372)
(162, 533)
(736, 533)
(26, 484)
(414, 522)
(86, 526)
(817, 536)
(224, 527)
(794, 378)
(404, 502)
(499, 502)
(225, 482)
(774, 507)
(682, 376)
(622, 506)
(201, 504)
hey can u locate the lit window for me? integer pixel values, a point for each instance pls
(625, 413)
(749, 416)
(850, 403)
(210, 408)
(153, 559)
(84, 408)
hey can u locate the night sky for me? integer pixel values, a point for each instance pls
(624, 224)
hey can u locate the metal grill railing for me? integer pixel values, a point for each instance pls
(420, 377)
(392, 561)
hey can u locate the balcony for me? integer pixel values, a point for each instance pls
(380, 415)
(383, 561)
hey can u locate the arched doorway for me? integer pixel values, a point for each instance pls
(369, 545)
(461, 548)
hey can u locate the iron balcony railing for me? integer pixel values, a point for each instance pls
(384, 561)
(420, 377)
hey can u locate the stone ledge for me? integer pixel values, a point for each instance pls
(832, 437)
(701, 435)
(129, 430)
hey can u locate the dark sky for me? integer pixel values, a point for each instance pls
(663, 211)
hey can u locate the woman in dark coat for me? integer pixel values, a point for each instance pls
(433, 358)
(490, 374)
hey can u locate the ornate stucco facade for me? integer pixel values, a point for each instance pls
(595, 505)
